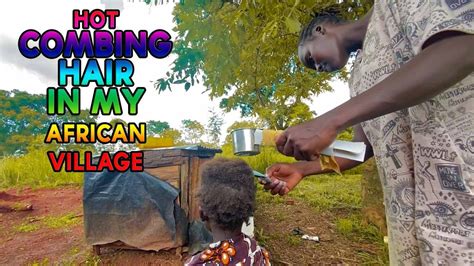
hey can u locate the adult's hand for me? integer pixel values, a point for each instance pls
(284, 178)
(306, 141)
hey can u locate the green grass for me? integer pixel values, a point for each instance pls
(280, 216)
(342, 194)
(64, 221)
(74, 251)
(18, 206)
(260, 162)
(92, 260)
(26, 227)
(43, 262)
(54, 222)
(353, 228)
(261, 236)
(329, 192)
(263, 196)
(293, 241)
(375, 259)
(33, 170)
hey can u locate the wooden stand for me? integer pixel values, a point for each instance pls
(179, 166)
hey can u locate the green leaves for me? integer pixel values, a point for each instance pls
(187, 86)
(214, 125)
(192, 131)
(23, 119)
(246, 55)
(156, 127)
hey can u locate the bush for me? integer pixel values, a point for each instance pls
(34, 170)
(260, 162)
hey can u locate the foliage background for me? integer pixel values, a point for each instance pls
(245, 53)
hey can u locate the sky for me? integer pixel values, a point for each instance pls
(36, 75)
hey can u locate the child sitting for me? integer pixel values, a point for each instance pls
(227, 200)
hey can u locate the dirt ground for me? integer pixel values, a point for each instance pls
(20, 248)
(276, 222)
(24, 238)
(59, 245)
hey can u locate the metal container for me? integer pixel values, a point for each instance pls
(247, 141)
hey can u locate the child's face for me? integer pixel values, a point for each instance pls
(324, 51)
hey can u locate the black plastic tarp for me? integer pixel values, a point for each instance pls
(136, 208)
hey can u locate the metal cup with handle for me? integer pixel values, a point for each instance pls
(248, 141)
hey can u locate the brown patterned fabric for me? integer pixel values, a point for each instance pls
(241, 250)
(425, 154)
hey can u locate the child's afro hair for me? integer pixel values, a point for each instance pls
(227, 194)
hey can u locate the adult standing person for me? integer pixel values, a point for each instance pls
(412, 102)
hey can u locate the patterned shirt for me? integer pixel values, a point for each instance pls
(424, 154)
(241, 250)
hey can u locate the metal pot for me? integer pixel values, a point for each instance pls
(247, 141)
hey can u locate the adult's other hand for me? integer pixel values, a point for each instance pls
(284, 178)
(307, 140)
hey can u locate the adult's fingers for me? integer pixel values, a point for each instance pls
(299, 155)
(281, 185)
(309, 152)
(272, 170)
(283, 190)
(288, 149)
(314, 157)
(272, 185)
(281, 141)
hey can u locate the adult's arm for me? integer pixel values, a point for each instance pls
(308, 168)
(447, 59)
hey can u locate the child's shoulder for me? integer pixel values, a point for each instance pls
(241, 250)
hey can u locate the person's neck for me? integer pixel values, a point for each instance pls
(219, 234)
(353, 34)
